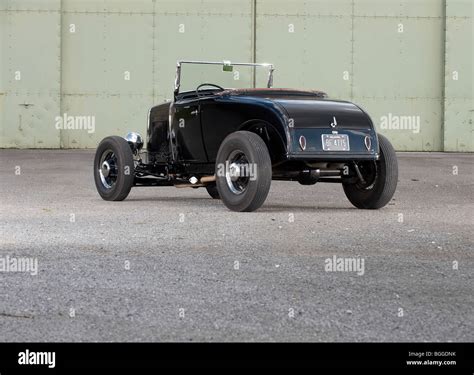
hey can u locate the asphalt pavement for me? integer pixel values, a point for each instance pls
(172, 264)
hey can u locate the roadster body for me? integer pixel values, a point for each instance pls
(234, 142)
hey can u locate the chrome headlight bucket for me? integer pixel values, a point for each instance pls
(135, 141)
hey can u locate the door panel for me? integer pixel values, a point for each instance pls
(219, 119)
(186, 132)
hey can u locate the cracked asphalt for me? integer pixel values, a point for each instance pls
(172, 264)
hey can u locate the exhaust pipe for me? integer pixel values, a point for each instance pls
(194, 182)
(207, 179)
(311, 176)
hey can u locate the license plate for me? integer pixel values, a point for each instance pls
(335, 142)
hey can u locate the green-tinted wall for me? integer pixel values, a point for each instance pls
(409, 63)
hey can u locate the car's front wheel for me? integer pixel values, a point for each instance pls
(243, 171)
(113, 168)
(379, 179)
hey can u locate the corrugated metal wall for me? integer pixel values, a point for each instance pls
(408, 62)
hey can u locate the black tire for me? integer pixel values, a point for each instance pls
(249, 152)
(212, 190)
(114, 182)
(381, 189)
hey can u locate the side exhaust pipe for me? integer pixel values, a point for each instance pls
(194, 182)
(207, 179)
(311, 176)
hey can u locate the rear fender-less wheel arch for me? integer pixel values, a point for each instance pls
(377, 191)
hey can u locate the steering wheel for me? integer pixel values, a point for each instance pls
(208, 84)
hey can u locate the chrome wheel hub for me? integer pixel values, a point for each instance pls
(234, 171)
(107, 168)
(236, 178)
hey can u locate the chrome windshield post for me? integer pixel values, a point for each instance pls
(270, 77)
(177, 80)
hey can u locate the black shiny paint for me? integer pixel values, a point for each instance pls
(310, 113)
(158, 133)
(186, 132)
(199, 124)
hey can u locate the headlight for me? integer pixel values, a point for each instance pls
(135, 141)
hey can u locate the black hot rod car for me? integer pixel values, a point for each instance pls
(234, 142)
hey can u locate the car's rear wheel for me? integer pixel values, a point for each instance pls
(379, 179)
(212, 190)
(113, 168)
(243, 171)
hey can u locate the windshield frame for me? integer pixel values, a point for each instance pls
(177, 81)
